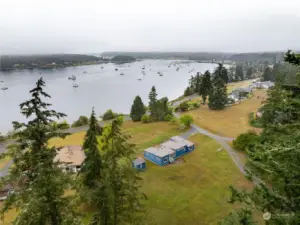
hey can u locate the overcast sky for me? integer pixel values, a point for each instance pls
(91, 26)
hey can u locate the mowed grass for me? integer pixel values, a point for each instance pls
(4, 161)
(231, 121)
(240, 84)
(195, 192)
(143, 135)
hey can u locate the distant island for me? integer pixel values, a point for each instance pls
(8, 62)
(122, 59)
(202, 56)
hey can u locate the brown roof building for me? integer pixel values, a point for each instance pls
(71, 157)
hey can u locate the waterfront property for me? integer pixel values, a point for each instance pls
(70, 158)
(169, 151)
(139, 164)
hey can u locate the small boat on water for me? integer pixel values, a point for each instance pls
(72, 77)
(75, 85)
(116, 69)
(121, 74)
(160, 74)
(102, 67)
(4, 88)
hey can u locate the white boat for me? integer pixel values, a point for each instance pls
(4, 88)
(102, 67)
(72, 77)
(121, 74)
(116, 69)
(75, 85)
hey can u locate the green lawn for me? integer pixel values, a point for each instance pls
(194, 192)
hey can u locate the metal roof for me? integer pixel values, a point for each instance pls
(173, 144)
(139, 161)
(182, 140)
(160, 151)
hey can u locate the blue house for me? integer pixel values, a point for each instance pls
(169, 151)
(139, 164)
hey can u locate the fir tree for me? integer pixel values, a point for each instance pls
(39, 182)
(92, 165)
(249, 73)
(118, 198)
(267, 75)
(221, 72)
(218, 95)
(239, 73)
(205, 86)
(137, 109)
(153, 104)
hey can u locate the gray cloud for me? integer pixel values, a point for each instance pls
(76, 26)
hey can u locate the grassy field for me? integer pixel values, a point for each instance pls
(143, 135)
(231, 121)
(240, 84)
(194, 192)
(4, 161)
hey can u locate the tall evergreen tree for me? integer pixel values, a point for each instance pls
(205, 86)
(249, 73)
(153, 104)
(218, 95)
(39, 182)
(92, 165)
(268, 75)
(239, 73)
(221, 72)
(137, 109)
(118, 199)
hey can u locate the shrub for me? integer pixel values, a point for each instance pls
(174, 120)
(186, 120)
(63, 125)
(246, 141)
(82, 120)
(145, 118)
(188, 91)
(195, 105)
(2, 138)
(168, 117)
(254, 121)
(184, 106)
(108, 115)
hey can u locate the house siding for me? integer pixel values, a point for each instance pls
(155, 159)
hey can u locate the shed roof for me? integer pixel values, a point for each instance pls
(139, 161)
(73, 155)
(160, 151)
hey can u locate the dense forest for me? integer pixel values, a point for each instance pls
(44, 61)
(122, 58)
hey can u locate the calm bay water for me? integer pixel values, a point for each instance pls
(102, 88)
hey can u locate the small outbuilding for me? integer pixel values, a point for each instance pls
(139, 164)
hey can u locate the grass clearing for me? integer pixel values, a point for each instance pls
(143, 135)
(195, 192)
(4, 161)
(231, 121)
(240, 84)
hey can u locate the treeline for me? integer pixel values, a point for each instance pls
(211, 87)
(106, 185)
(273, 158)
(44, 61)
(270, 57)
